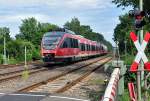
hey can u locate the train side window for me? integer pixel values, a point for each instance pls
(88, 47)
(76, 43)
(94, 48)
(91, 48)
(82, 47)
(71, 43)
(66, 43)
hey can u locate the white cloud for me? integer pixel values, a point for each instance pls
(70, 4)
(89, 3)
(19, 17)
(18, 2)
(99, 14)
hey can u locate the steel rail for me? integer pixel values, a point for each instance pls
(20, 74)
(76, 81)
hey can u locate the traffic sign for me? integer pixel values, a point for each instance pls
(140, 55)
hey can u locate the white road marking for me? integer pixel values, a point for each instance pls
(2, 93)
(26, 94)
(61, 97)
(69, 98)
(22, 94)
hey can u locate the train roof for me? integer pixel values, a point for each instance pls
(54, 33)
(62, 30)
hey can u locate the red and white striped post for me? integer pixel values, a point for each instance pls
(133, 96)
(110, 93)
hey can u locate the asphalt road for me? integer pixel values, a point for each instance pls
(35, 97)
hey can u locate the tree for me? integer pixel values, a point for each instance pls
(32, 30)
(42, 28)
(15, 49)
(85, 31)
(122, 33)
(4, 31)
(133, 3)
(74, 25)
(29, 29)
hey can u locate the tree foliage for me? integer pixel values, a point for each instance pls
(86, 31)
(4, 32)
(32, 30)
(122, 33)
(133, 3)
(15, 49)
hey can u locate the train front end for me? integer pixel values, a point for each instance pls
(49, 46)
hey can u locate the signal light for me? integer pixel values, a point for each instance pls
(139, 18)
(139, 23)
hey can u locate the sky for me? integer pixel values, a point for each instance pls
(101, 15)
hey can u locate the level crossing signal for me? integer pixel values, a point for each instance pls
(140, 55)
(139, 18)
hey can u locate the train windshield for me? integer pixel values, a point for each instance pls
(50, 41)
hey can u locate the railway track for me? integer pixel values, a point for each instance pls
(15, 65)
(17, 71)
(61, 82)
(16, 74)
(19, 74)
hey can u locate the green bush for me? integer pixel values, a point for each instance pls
(124, 97)
(128, 59)
(36, 54)
(1, 58)
(13, 61)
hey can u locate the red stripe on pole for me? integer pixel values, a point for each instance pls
(113, 94)
(147, 66)
(114, 89)
(133, 36)
(131, 91)
(110, 100)
(134, 67)
(147, 37)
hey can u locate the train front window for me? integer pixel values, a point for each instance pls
(50, 42)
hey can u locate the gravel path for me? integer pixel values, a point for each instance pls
(90, 88)
(53, 86)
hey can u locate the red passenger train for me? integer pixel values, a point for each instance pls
(65, 45)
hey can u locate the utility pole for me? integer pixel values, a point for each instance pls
(140, 73)
(4, 57)
(125, 49)
(25, 57)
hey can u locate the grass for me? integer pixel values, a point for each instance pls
(128, 59)
(124, 97)
(96, 81)
(13, 61)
